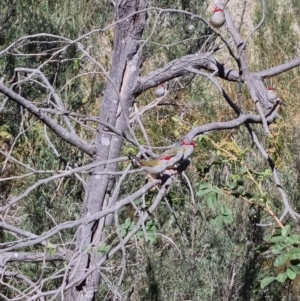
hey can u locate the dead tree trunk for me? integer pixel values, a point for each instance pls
(117, 100)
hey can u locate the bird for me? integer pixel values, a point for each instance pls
(180, 152)
(176, 154)
(188, 146)
(152, 166)
(217, 19)
(272, 95)
(160, 90)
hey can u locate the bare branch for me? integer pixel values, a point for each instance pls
(55, 127)
(28, 257)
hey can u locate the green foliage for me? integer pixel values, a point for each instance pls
(150, 228)
(286, 248)
(104, 248)
(211, 193)
(223, 218)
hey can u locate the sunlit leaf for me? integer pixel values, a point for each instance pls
(278, 238)
(281, 277)
(267, 238)
(233, 185)
(293, 239)
(286, 231)
(295, 268)
(281, 259)
(217, 190)
(227, 219)
(278, 248)
(225, 210)
(203, 192)
(211, 200)
(291, 274)
(266, 281)
(294, 253)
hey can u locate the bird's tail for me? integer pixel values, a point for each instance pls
(134, 158)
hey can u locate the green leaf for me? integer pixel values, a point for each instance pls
(291, 274)
(211, 200)
(278, 248)
(139, 234)
(266, 281)
(263, 196)
(295, 236)
(243, 170)
(227, 219)
(127, 222)
(281, 259)
(138, 201)
(281, 277)
(52, 251)
(295, 268)
(285, 231)
(205, 186)
(218, 221)
(150, 227)
(151, 231)
(294, 250)
(225, 210)
(217, 190)
(267, 172)
(293, 239)
(277, 238)
(103, 249)
(127, 226)
(267, 238)
(202, 192)
(233, 185)
(294, 253)
(152, 237)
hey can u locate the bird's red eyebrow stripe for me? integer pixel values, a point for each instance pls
(188, 143)
(216, 9)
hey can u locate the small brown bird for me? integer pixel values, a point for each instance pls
(153, 166)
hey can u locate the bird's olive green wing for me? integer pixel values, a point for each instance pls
(151, 163)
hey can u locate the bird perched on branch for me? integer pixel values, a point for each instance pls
(274, 98)
(189, 147)
(181, 151)
(176, 153)
(272, 95)
(217, 19)
(153, 166)
(160, 90)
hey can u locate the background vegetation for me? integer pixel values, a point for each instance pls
(205, 248)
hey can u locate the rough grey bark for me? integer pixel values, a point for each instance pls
(117, 100)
